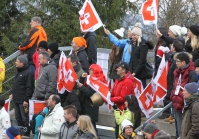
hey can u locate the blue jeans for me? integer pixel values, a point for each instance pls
(32, 69)
(178, 121)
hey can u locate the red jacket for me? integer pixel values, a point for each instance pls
(122, 88)
(187, 75)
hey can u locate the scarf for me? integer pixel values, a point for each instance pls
(191, 99)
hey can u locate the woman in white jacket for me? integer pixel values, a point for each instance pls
(4, 119)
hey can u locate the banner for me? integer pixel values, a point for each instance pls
(150, 12)
(35, 106)
(7, 105)
(89, 18)
(100, 87)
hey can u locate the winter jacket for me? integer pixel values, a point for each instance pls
(139, 59)
(83, 58)
(68, 130)
(46, 84)
(2, 73)
(126, 44)
(126, 114)
(70, 99)
(160, 134)
(35, 59)
(189, 49)
(52, 123)
(91, 49)
(190, 122)
(86, 135)
(4, 122)
(55, 56)
(35, 36)
(23, 85)
(39, 120)
(121, 88)
(188, 75)
(87, 108)
(122, 136)
(115, 57)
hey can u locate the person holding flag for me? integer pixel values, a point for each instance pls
(95, 71)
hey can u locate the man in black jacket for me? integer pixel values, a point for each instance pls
(22, 91)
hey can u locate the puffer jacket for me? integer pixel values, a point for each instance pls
(2, 73)
(4, 122)
(121, 88)
(126, 44)
(68, 130)
(188, 75)
(139, 59)
(52, 123)
(190, 122)
(46, 84)
(160, 134)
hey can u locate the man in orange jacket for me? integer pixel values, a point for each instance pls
(35, 36)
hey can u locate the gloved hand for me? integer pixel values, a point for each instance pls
(114, 106)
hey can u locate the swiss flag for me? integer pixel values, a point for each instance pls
(35, 106)
(100, 87)
(7, 105)
(146, 100)
(149, 12)
(138, 87)
(89, 18)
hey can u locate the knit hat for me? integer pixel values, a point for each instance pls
(194, 29)
(13, 133)
(124, 65)
(119, 32)
(150, 128)
(43, 44)
(53, 47)
(196, 63)
(23, 59)
(143, 126)
(125, 123)
(137, 29)
(80, 41)
(177, 30)
(192, 87)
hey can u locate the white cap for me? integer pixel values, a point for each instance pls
(177, 30)
(120, 32)
(125, 123)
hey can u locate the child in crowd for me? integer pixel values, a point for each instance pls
(12, 133)
(127, 130)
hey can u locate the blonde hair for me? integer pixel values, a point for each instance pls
(86, 125)
(139, 40)
(194, 41)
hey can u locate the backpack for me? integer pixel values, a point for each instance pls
(33, 121)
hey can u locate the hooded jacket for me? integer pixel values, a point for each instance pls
(4, 122)
(47, 81)
(23, 85)
(68, 130)
(121, 88)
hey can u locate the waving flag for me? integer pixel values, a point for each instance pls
(35, 106)
(100, 87)
(146, 100)
(149, 12)
(89, 18)
(7, 105)
(138, 87)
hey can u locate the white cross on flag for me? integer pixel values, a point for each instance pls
(146, 100)
(150, 12)
(138, 87)
(89, 18)
(100, 87)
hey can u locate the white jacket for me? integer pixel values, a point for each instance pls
(4, 122)
(52, 123)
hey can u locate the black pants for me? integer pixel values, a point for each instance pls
(116, 130)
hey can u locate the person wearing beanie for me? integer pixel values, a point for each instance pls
(196, 64)
(78, 47)
(127, 130)
(22, 91)
(183, 74)
(124, 44)
(138, 55)
(54, 52)
(4, 119)
(116, 54)
(35, 36)
(12, 133)
(151, 131)
(192, 45)
(190, 122)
